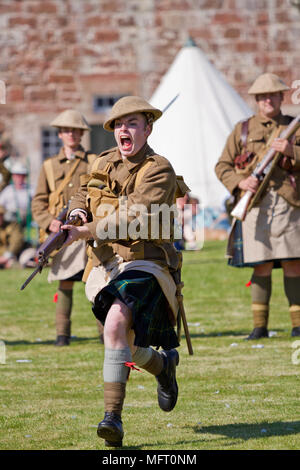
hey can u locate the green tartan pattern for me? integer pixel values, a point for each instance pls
(142, 294)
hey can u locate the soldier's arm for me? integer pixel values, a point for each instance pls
(224, 168)
(40, 202)
(296, 151)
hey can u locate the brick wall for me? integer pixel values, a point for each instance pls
(56, 54)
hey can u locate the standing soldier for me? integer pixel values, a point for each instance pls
(58, 181)
(269, 236)
(130, 285)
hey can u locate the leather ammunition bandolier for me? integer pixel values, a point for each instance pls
(102, 191)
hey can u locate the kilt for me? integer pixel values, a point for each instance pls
(151, 314)
(270, 232)
(68, 264)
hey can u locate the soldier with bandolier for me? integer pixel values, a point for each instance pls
(129, 281)
(268, 237)
(58, 181)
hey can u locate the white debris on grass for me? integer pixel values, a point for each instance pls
(272, 333)
(258, 346)
(23, 360)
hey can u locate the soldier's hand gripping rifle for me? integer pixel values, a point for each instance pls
(263, 172)
(53, 244)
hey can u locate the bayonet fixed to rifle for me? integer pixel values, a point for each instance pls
(262, 171)
(54, 243)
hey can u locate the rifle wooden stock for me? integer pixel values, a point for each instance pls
(54, 243)
(262, 171)
(240, 210)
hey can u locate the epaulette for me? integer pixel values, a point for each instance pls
(106, 152)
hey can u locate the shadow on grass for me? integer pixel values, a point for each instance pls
(246, 431)
(240, 431)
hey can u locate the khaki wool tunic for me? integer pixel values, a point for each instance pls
(72, 259)
(271, 229)
(114, 255)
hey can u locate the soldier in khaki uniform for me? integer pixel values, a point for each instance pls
(269, 236)
(11, 241)
(130, 285)
(58, 181)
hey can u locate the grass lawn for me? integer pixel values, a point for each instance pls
(234, 394)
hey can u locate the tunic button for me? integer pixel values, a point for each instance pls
(70, 185)
(68, 161)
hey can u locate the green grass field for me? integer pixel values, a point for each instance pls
(233, 394)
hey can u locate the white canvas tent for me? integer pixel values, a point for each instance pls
(193, 130)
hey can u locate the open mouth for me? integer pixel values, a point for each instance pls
(125, 141)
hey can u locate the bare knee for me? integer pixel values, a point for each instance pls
(264, 269)
(67, 285)
(291, 268)
(117, 325)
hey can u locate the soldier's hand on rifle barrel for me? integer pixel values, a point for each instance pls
(249, 184)
(283, 146)
(76, 233)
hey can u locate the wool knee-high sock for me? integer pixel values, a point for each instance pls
(115, 375)
(261, 289)
(63, 312)
(149, 359)
(292, 291)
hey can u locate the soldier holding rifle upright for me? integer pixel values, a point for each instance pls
(58, 181)
(130, 285)
(268, 237)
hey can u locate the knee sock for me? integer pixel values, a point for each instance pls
(115, 375)
(292, 291)
(261, 288)
(63, 312)
(149, 359)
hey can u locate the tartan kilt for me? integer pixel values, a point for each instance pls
(151, 316)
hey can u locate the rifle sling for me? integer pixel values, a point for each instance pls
(54, 196)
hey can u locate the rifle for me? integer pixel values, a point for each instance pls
(181, 315)
(54, 243)
(263, 172)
